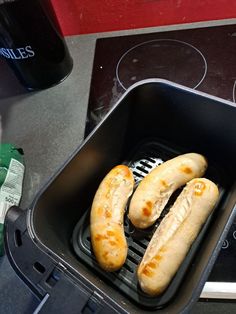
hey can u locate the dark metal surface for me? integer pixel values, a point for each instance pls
(59, 206)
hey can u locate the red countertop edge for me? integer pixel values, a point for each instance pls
(84, 17)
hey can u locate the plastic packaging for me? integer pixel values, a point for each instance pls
(11, 179)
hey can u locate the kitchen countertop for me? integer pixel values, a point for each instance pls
(49, 126)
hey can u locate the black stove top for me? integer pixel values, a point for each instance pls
(202, 58)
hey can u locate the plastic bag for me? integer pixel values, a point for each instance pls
(11, 181)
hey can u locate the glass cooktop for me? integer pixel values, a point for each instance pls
(202, 58)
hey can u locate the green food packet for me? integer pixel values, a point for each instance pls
(11, 179)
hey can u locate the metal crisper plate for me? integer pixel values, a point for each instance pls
(146, 156)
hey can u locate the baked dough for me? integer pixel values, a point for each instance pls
(107, 215)
(175, 234)
(154, 191)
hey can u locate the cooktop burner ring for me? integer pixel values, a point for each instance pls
(183, 45)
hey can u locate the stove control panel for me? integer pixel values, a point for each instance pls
(226, 259)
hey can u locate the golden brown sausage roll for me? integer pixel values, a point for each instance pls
(107, 215)
(175, 234)
(154, 191)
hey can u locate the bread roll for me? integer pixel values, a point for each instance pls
(174, 236)
(155, 189)
(107, 215)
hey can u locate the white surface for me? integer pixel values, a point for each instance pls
(219, 290)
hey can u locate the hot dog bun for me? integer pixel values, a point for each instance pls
(107, 215)
(174, 236)
(155, 189)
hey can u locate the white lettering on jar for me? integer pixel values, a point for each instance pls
(30, 51)
(18, 53)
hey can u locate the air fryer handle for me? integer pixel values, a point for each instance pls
(68, 297)
(58, 292)
(57, 289)
(30, 264)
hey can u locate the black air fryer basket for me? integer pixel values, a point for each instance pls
(49, 244)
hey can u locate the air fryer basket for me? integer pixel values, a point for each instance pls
(146, 157)
(150, 113)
